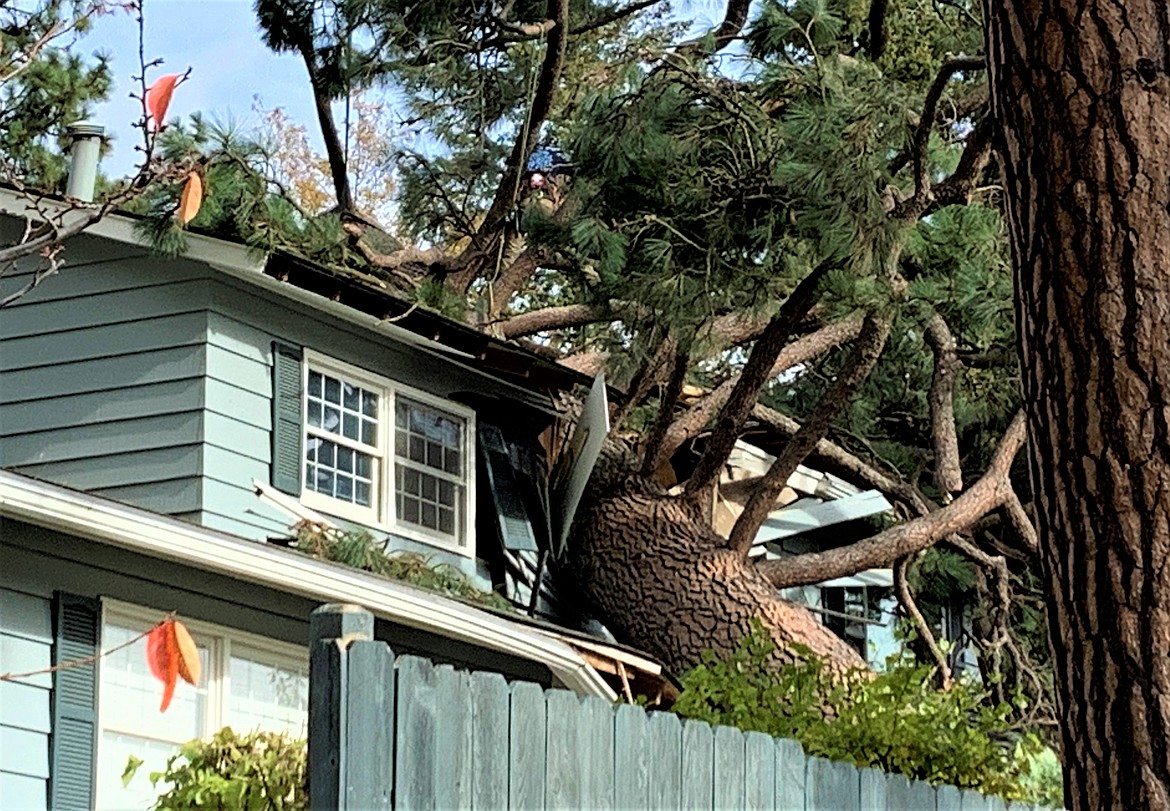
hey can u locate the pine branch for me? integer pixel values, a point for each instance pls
(755, 373)
(865, 355)
(987, 494)
(948, 471)
(802, 350)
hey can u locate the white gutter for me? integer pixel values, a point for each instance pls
(96, 519)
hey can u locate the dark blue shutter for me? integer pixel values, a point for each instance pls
(288, 427)
(515, 526)
(73, 744)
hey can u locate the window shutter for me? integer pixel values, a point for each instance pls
(515, 526)
(73, 745)
(288, 428)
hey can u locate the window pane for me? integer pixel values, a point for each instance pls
(314, 414)
(349, 427)
(418, 449)
(369, 404)
(428, 501)
(369, 432)
(267, 694)
(340, 472)
(332, 390)
(132, 723)
(446, 521)
(351, 397)
(315, 384)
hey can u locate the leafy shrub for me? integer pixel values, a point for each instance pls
(230, 772)
(894, 721)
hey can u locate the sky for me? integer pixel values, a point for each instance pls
(230, 68)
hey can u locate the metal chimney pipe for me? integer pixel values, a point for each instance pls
(87, 147)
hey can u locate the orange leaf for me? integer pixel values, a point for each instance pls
(163, 657)
(189, 664)
(158, 98)
(191, 198)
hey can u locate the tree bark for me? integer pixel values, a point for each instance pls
(661, 579)
(1080, 90)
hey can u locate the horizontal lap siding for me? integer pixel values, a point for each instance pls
(102, 378)
(25, 644)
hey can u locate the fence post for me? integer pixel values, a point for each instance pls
(343, 775)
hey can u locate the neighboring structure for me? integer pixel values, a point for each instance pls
(162, 419)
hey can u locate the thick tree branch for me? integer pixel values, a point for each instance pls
(921, 137)
(875, 28)
(1017, 516)
(755, 373)
(550, 73)
(696, 418)
(513, 277)
(957, 188)
(666, 404)
(734, 19)
(861, 362)
(564, 317)
(948, 471)
(909, 537)
(338, 169)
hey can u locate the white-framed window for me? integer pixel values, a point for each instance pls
(248, 683)
(385, 455)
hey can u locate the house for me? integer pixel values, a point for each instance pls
(161, 420)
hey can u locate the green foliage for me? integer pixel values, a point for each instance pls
(360, 550)
(894, 720)
(57, 86)
(232, 772)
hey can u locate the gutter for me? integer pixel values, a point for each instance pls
(96, 519)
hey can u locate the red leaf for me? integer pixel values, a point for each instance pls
(162, 654)
(158, 98)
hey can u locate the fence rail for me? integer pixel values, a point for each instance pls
(388, 733)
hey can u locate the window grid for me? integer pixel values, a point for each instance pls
(412, 475)
(341, 445)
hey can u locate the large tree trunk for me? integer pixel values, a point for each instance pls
(663, 580)
(1081, 91)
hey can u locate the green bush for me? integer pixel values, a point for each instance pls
(230, 772)
(894, 721)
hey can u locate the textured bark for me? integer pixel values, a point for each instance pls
(662, 580)
(1080, 90)
(756, 372)
(948, 473)
(909, 537)
(691, 424)
(861, 362)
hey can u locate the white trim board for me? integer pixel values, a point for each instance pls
(96, 519)
(796, 520)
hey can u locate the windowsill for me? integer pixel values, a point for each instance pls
(367, 519)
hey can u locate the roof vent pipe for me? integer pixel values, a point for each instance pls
(86, 150)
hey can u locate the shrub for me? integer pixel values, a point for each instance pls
(894, 720)
(230, 772)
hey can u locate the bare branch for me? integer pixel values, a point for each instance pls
(1018, 517)
(562, 317)
(906, 600)
(829, 337)
(734, 19)
(865, 355)
(909, 537)
(926, 122)
(755, 373)
(948, 472)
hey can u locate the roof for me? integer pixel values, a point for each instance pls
(96, 519)
(350, 296)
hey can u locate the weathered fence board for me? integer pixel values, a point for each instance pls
(665, 791)
(698, 762)
(489, 741)
(832, 786)
(595, 753)
(759, 772)
(527, 747)
(405, 734)
(729, 769)
(632, 753)
(563, 765)
(791, 777)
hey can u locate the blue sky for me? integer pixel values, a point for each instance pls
(219, 41)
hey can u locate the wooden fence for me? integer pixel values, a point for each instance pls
(407, 734)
